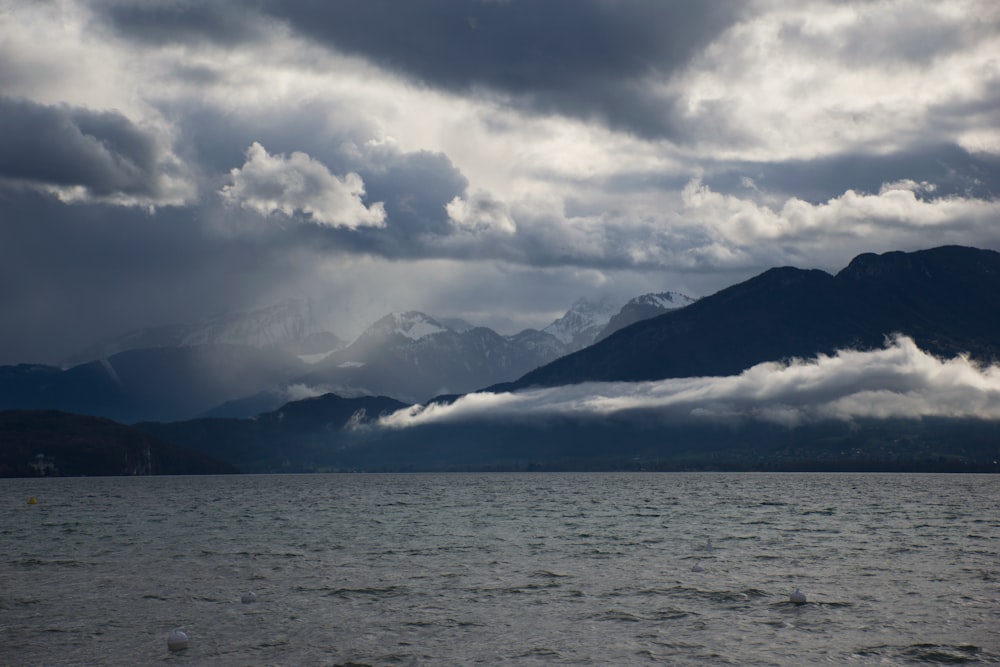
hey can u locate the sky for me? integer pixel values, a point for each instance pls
(162, 161)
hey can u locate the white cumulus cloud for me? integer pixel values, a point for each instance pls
(269, 184)
(737, 230)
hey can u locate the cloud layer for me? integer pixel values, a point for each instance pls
(80, 154)
(899, 381)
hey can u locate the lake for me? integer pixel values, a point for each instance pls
(502, 569)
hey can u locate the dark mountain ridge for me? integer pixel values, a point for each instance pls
(243, 363)
(947, 299)
(333, 434)
(39, 443)
(642, 308)
(154, 383)
(301, 436)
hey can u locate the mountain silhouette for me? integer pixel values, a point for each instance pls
(947, 299)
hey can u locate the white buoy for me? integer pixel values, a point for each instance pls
(249, 597)
(177, 640)
(798, 597)
(697, 567)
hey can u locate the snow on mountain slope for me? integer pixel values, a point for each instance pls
(413, 356)
(664, 300)
(644, 307)
(590, 320)
(411, 324)
(408, 354)
(583, 321)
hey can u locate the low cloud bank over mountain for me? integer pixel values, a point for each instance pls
(899, 381)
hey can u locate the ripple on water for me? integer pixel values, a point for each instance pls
(34, 561)
(939, 654)
(584, 569)
(349, 593)
(616, 615)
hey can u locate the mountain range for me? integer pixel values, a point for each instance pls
(944, 300)
(241, 364)
(414, 357)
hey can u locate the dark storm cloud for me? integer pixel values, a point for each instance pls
(166, 21)
(950, 169)
(216, 139)
(103, 152)
(412, 188)
(516, 46)
(457, 119)
(415, 188)
(419, 191)
(581, 58)
(71, 274)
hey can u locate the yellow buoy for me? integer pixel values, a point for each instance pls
(32, 500)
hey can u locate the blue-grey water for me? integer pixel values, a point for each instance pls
(498, 569)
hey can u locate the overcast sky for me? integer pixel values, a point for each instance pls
(162, 161)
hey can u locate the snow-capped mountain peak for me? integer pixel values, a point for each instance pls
(583, 320)
(410, 324)
(643, 307)
(663, 300)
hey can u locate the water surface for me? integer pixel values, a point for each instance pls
(502, 569)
